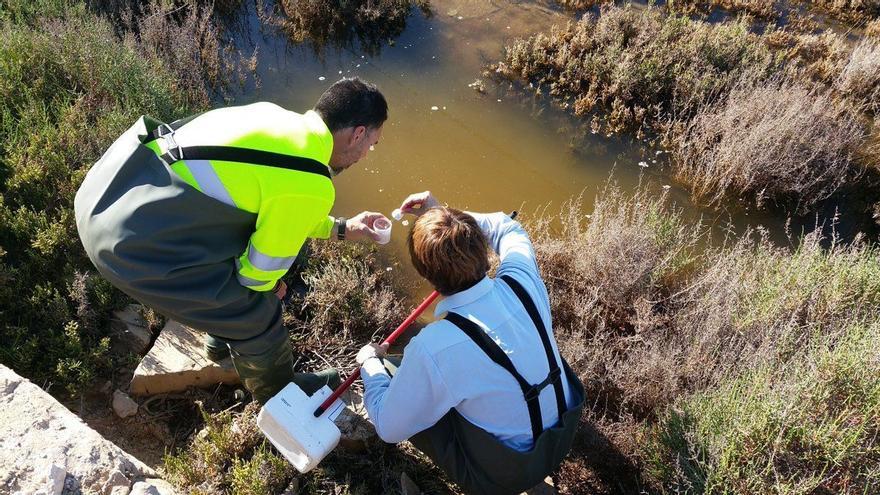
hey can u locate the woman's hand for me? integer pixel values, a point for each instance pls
(418, 203)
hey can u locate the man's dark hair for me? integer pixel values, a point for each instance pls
(351, 102)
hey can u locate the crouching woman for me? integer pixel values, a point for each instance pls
(482, 391)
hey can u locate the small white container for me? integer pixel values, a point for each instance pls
(382, 226)
(289, 422)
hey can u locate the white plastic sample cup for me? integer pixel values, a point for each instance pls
(382, 226)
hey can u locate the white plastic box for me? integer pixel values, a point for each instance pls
(289, 422)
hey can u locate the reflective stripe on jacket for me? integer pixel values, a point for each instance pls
(291, 205)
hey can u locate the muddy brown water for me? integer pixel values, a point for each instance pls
(495, 151)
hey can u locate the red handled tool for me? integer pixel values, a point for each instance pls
(391, 338)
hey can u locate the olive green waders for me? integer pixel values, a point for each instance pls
(475, 459)
(172, 248)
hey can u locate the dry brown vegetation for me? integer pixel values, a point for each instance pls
(761, 9)
(659, 330)
(772, 141)
(352, 300)
(344, 24)
(854, 11)
(581, 5)
(815, 57)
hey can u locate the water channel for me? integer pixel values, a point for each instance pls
(498, 150)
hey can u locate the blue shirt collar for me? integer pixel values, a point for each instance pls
(464, 297)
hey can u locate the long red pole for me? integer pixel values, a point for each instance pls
(390, 339)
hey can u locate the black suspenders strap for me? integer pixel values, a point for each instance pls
(532, 310)
(497, 355)
(230, 153)
(247, 155)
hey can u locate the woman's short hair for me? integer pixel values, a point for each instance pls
(449, 249)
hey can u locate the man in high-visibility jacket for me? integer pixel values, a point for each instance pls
(201, 218)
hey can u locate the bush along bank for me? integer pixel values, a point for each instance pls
(70, 84)
(643, 72)
(733, 369)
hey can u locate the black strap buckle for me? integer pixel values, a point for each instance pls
(167, 134)
(535, 390)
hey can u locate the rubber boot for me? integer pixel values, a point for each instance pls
(265, 374)
(215, 349)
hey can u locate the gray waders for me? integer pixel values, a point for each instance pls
(172, 248)
(477, 461)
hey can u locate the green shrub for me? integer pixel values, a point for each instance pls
(68, 87)
(804, 426)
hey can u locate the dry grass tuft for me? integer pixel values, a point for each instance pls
(775, 141)
(351, 301)
(190, 40)
(581, 5)
(860, 78)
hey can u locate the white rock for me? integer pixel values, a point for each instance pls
(55, 479)
(36, 432)
(178, 361)
(117, 484)
(153, 486)
(123, 405)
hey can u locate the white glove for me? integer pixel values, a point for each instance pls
(371, 351)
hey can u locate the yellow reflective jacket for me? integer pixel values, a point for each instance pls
(290, 205)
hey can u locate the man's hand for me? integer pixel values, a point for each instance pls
(280, 290)
(418, 203)
(361, 226)
(370, 351)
